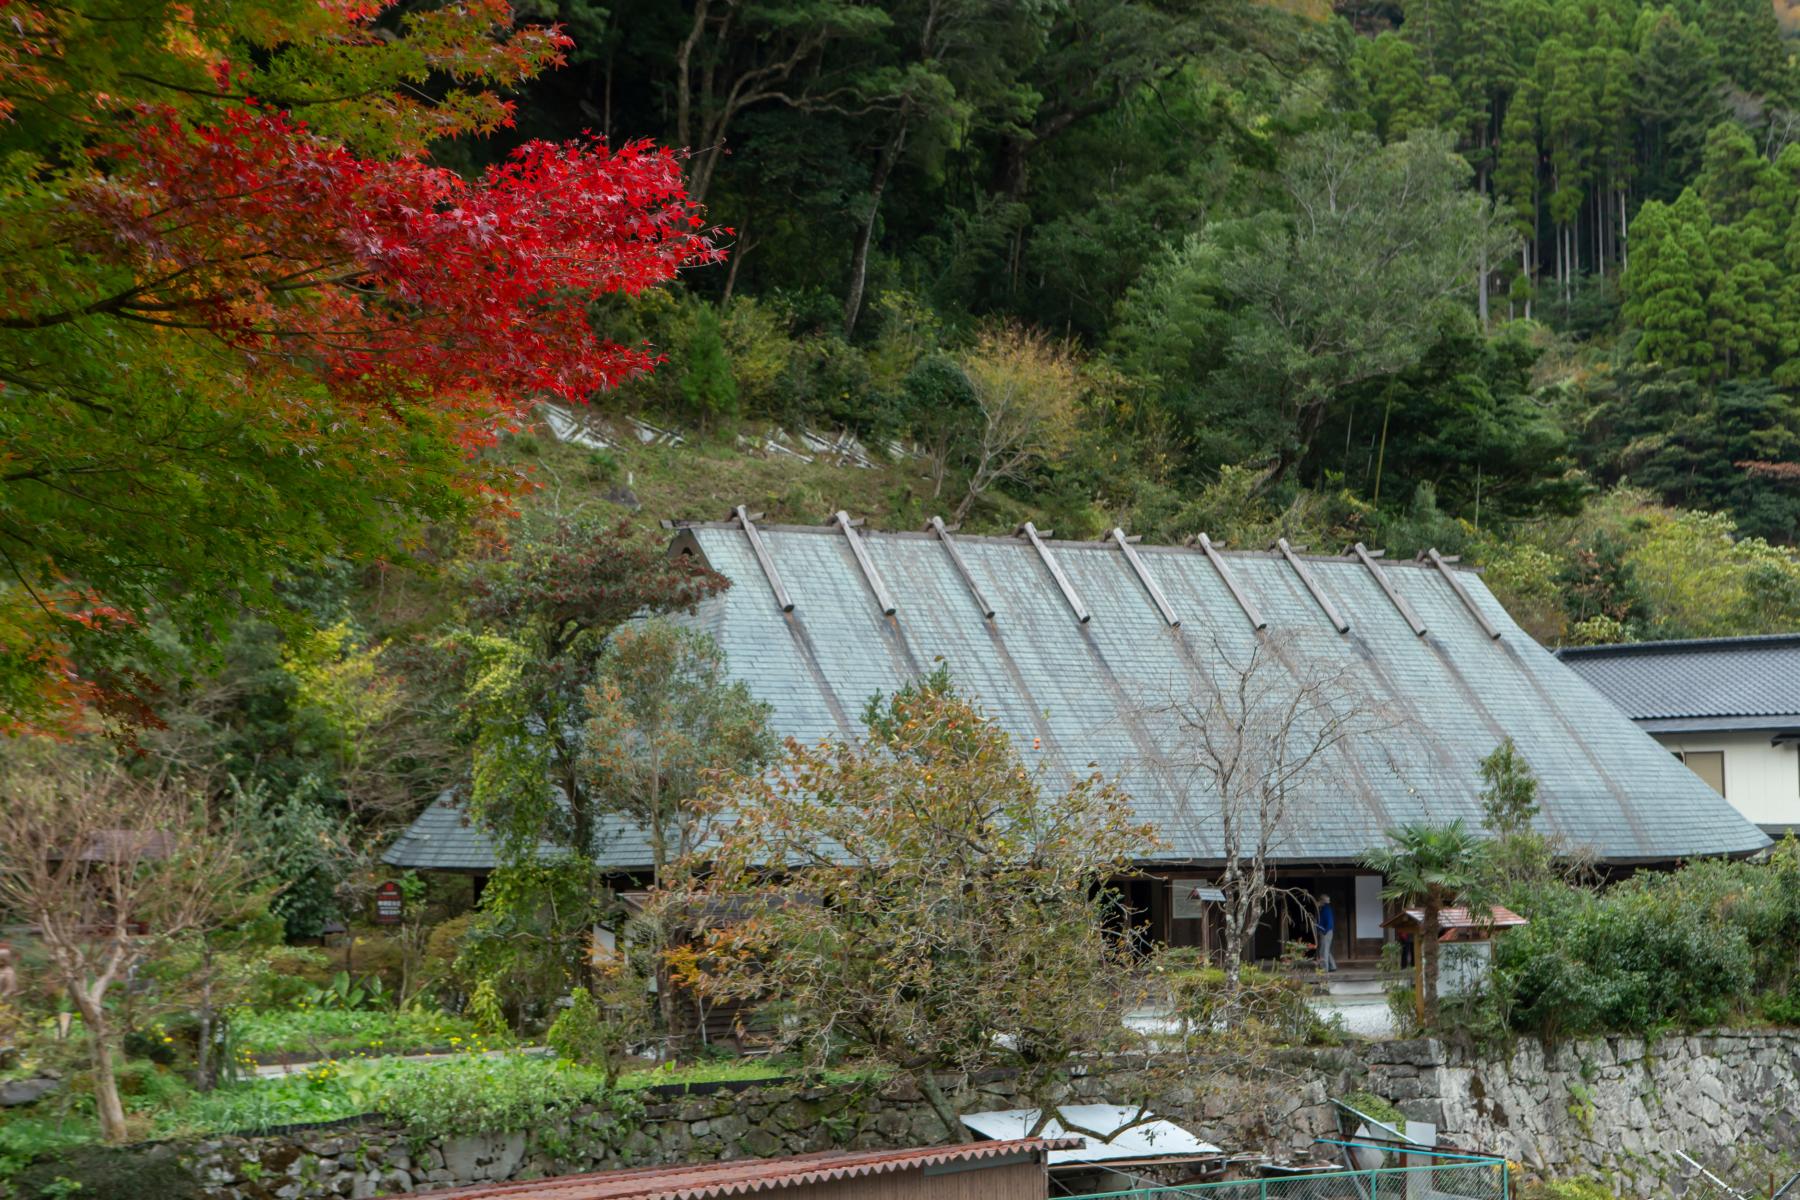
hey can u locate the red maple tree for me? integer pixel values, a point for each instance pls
(246, 321)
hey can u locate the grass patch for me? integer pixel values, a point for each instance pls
(740, 1070)
(328, 1091)
(328, 1033)
(704, 478)
(470, 1093)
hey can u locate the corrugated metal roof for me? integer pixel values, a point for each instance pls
(1460, 917)
(1119, 1132)
(1710, 679)
(750, 1176)
(1087, 691)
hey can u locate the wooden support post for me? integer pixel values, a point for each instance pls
(938, 527)
(1144, 577)
(1368, 557)
(1312, 585)
(861, 554)
(1462, 593)
(1029, 531)
(748, 521)
(1231, 584)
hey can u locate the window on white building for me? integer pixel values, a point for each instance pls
(1708, 765)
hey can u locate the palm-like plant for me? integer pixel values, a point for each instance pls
(1433, 867)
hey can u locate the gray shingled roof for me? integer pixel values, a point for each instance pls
(443, 838)
(1085, 691)
(1708, 683)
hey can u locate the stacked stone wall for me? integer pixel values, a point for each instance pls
(1612, 1108)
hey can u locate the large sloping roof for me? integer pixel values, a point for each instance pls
(1706, 683)
(1080, 696)
(1085, 691)
(755, 1176)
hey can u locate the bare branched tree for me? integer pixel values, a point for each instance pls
(1256, 735)
(106, 870)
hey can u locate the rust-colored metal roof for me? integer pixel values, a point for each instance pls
(751, 1176)
(1456, 923)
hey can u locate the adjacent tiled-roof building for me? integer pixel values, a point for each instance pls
(1727, 707)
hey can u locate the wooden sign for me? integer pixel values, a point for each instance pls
(389, 903)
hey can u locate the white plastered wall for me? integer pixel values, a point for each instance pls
(1761, 781)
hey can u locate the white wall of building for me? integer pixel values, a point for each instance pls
(1761, 781)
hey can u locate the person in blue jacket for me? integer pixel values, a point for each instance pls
(1327, 925)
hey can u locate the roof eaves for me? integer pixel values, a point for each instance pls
(1758, 641)
(1719, 723)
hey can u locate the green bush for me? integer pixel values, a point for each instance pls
(107, 1173)
(1373, 1106)
(1566, 1189)
(1624, 965)
(1686, 949)
(1270, 1004)
(488, 1095)
(575, 1035)
(1780, 1008)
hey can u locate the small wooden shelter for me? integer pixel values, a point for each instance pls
(1457, 923)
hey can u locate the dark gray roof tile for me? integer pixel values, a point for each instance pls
(1712, 678)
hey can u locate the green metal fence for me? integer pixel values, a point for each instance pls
(1473, 1179)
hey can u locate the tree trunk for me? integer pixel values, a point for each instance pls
(204, 1069)
(106, 1084)
(1525, 270)
(684, 89)
(940, 1104)
(1237, 923)
(1428, 956)
(737, 259)
(1387, 410)
(859, 259)
(1624, 235)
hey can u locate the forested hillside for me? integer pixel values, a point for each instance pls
(1512, 278)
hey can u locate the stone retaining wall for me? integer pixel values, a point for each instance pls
(1609, 1107)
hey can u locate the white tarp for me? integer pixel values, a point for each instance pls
(1154, 1138)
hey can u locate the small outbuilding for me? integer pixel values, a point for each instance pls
(1106, 1146)
(1009, 1170)
(1467, 937)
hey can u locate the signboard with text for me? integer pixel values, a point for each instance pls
(389, 904)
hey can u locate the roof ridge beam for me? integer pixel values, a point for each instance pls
(747, 520)
(1030, 532)
(882, 597)
(1462, 593)
(1142, 570)
(1367, 557)
(1257, 621)
(937, 526)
